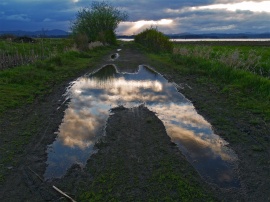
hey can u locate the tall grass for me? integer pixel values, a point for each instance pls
(14, 54)
(240, 72)
(24, 83)
(154, 40)
(252, 59)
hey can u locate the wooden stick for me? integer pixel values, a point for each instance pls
(36, 174)
(64, 194)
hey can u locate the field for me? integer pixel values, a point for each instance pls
(32, 69)
(250, 56)
(239, 69)
(228, 83)
(15, 53)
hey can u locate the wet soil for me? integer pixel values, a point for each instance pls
(249, 139)
(136, 161)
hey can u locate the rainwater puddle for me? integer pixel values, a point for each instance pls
(94, 95)
(114, 56)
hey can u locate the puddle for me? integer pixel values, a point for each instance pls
(115, 56)
(94, 95)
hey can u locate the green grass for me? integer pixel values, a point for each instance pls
(14, 54)
(41, 46)
(21, 85)
(254, 59)
(244, 89)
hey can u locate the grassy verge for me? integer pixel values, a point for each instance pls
(22, 85)
(243, 89)
(13, 54)
(254, 59)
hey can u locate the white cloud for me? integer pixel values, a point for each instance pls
(21, 17)
(263, 6)
(187, 16)
(219, 28)
(135, 27)
(48, 20)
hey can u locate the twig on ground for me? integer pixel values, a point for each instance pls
(64, 194)
(36, 174)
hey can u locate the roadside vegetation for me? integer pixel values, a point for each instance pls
(240, 72)
(16, 51)
(24, 84)
(46, 63)
(249, 58)
(234, 98)
(154, 41)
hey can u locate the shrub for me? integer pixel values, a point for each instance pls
(107, 37)
(81, 41)
(154, 40)
(99, 22)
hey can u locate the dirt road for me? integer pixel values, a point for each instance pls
(124, 169)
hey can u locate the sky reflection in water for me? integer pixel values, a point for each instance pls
(94, 95)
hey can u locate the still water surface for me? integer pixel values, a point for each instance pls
(92, 97)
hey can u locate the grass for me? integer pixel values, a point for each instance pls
(14, 54)
(23, 84)
(243, 88)
(249, 58)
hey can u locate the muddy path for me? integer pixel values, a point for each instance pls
(136, 162)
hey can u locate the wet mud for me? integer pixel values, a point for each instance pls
(135, 147)
(138, 160)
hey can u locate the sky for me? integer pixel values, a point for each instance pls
(169, 16)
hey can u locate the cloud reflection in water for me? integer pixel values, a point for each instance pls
(94, 95)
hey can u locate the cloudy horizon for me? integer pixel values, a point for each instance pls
(170, 17)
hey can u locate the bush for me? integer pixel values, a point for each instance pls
(107, 37)
(154, 40)
(98, 22)
(81, 41)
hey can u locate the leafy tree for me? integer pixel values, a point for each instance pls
(98, 22)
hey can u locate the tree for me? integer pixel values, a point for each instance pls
(98, 22)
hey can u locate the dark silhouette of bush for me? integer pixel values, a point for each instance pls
(7, 37)
(154, 40)
(24, 39)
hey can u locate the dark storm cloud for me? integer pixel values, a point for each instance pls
(187, 16)
(34, 15)
(222, 21)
